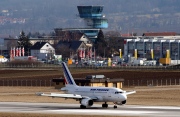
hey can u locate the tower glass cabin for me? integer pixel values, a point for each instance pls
(93, 16)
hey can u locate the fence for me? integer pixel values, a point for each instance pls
(157, 82)
(127, 83)
(5, 65)
(26, 82)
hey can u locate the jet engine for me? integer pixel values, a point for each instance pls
(121, 103)
(87, 102)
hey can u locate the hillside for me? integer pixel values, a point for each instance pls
(45, 15)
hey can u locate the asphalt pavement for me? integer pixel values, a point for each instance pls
(64, 108)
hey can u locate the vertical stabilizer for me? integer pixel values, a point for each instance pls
(67, 75)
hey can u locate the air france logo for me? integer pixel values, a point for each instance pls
(99, 89)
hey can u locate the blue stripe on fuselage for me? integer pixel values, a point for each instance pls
(67, 75)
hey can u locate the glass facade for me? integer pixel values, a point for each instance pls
(93, 18)
(140, 46)
(156, 48)
(131, 48)
(174, 51)
(90, 11)
(90, 33)
(148, 47)
(178, 51)
(165, 47)
(100, 23)
(93, 14)
(159, 48)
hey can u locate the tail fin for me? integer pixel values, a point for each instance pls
(68, 77)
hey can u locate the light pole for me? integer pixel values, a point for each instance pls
(104, 53)
(28, 51)
(144, 55)
(1, 49)
(46, 56)
(175, 58)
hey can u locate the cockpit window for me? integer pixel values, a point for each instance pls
(118, 92)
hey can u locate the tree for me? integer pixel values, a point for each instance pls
(100, 38)
(23, 41)
(112, 34)
(100, 44)
(63, 50)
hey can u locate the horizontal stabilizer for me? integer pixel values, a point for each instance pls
(39, 93)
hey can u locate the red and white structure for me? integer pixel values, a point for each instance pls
(22, 51)
(16, 52)
(19, 51)
(89, 54)
(82, 53)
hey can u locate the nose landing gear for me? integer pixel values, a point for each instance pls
(115, 106)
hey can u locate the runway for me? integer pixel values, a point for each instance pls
(64, 108)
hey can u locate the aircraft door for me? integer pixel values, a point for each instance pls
(109, 93)
(109, 96)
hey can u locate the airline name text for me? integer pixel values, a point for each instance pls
(99, 89)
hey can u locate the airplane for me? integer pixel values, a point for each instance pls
(87, 95)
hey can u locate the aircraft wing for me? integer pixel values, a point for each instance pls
(131, 92)
(58, 95)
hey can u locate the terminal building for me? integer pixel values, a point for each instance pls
(156, 45)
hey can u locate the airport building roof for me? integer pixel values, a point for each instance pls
(94, 80)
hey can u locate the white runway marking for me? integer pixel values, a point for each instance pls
(99, 112)
(63, 108)
(158, 107)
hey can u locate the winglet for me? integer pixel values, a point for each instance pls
(131, 92)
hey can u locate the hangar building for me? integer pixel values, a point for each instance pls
(159, 45)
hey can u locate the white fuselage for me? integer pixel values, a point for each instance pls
(103, 94)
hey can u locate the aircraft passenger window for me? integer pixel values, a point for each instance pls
(118, 92)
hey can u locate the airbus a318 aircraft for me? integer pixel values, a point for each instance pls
(87, 95)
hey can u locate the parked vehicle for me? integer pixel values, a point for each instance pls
(138, 62)
(3, 60)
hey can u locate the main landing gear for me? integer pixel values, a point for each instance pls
(105, 105)
(82, 106)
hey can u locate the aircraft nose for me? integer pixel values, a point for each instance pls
(124, 96)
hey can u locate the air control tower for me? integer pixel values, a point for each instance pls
(94, 21)
(93, 16)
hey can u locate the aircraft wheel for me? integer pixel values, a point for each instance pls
(115, 106)
(82, 106)
(104, 105)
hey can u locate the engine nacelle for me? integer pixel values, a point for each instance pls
(87, 102)
(121, 103)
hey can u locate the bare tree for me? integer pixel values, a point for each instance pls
(11, 43)
(63, 50)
